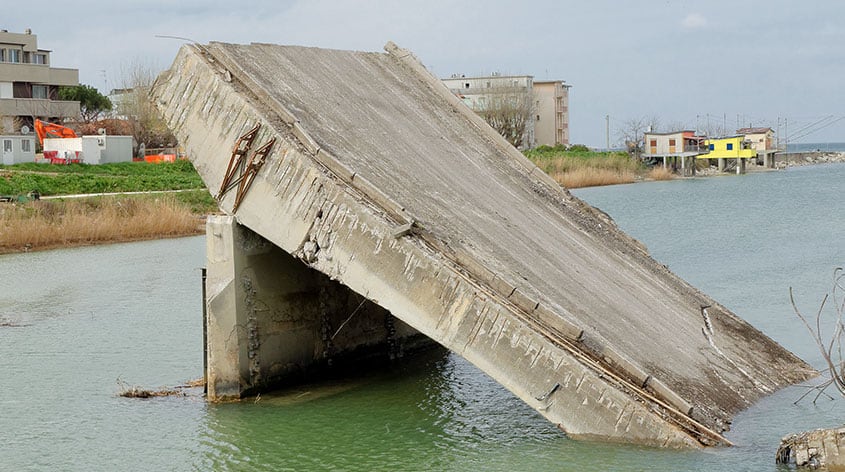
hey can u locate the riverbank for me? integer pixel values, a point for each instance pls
(577, 167)
(133, 213)
(581, 168)
(145, 201)
(48, 224)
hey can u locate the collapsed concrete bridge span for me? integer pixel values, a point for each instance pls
(358, 189)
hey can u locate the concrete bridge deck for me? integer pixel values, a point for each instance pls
(370, 192)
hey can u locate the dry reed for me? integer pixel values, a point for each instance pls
(592, 177)
(660, 173)
(46, 224)
(575, 169)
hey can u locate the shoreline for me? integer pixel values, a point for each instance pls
(800, 159)
(51, 247)
(782, 162)
(83, 236)
(42, 225)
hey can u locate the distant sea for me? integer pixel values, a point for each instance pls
(809, 147)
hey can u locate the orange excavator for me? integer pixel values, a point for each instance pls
(51, 130)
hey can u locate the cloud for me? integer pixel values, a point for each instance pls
(694, 21)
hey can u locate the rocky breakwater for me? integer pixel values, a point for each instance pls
(808, 158)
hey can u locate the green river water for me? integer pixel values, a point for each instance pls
(76, 322)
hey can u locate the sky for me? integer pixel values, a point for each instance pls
(692, 64)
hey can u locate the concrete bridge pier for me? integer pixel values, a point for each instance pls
(722, 162)
(274, 321)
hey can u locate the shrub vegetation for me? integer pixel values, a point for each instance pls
(53, 223)
(62, 221)
(578, 166)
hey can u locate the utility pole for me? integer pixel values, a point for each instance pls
(785, 135)
(607, 132)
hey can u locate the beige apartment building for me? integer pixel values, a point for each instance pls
(540, 110)
(551, 126)
(29, 86)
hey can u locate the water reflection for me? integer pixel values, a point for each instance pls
(433, 411)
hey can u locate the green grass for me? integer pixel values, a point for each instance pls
(71, 179)
(199, 202)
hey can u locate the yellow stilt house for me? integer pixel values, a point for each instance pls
(730, 147)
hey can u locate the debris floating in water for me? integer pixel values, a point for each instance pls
(137, 392)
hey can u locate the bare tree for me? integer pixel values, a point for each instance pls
(146, 124)
(11, 124)
(673, 126)
(509, 110)
(831, 350)
(713, 127)
(632, 132)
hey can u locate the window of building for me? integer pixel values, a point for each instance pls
(488, 84)
(39, 91)
(730, 147)
(39, 59)
(466, 85)
(14, 55)
(26, 145)
(2, 55)
(7, 145)
(712, 147)
(538, 117)
(671, 142)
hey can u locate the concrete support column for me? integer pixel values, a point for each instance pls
(274, 321)
(255, 298)
(688, 166)
(768, 160)
(664, 162)
(740, 166)
(721, 164)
